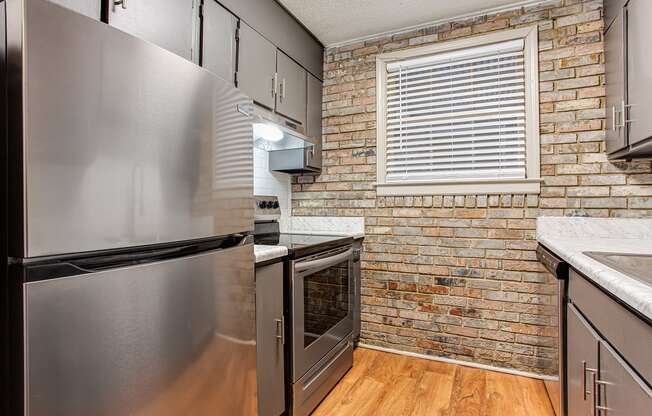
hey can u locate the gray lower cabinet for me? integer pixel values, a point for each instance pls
(639, 70)
(581, 365)
(291, 97)
(257, 66)
(219, 45)
(608, 359)
(621, 392)
(90, 8)
(270, 340)
(616, 137)
(171, 24)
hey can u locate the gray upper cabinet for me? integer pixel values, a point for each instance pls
(582, 364)
(612, 9)
(314, 117)
(270, 340)
(291, 97)
(219, 46)
(90, 8)
(615, 76)
(628, 78)
(270, 19)
(639, 74)
(621, 391)
(257, 66)
(171, 24)
(313, 121)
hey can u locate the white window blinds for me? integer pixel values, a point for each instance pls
(457, 115)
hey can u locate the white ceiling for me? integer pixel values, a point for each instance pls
(337, 21)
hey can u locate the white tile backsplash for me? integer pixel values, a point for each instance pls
(272, 183)
(352, 226)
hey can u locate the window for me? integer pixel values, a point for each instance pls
(460, 117)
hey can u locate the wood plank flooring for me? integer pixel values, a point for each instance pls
(387, 384)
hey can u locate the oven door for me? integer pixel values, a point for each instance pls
(322, 306)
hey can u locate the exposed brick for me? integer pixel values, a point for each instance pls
(457, 275)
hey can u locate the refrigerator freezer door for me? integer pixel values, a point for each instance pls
(124, 143)
(170, 338)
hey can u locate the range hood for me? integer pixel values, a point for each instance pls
(290, 150)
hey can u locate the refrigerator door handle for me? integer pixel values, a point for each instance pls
(96, 264)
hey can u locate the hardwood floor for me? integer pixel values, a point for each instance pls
(387, 384)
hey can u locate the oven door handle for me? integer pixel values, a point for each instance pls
(323, 263)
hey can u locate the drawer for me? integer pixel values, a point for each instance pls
(629, 334)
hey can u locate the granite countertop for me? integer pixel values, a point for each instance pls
(570, 237)
(266, 253)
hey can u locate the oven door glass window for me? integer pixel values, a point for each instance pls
(326, 300)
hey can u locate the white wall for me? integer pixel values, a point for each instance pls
(269, 183)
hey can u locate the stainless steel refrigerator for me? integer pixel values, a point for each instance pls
(130, 189)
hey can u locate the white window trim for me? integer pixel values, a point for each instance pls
(530, 185)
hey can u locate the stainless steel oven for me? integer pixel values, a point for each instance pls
(322, 323)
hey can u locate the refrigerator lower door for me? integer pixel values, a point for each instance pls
(176, 337)
(124, 143)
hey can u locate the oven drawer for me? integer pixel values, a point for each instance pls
(319, 380)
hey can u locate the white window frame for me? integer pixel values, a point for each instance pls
(531, 184)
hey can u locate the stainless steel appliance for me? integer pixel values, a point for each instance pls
(557, 388)
(321, 302)
(290, 149)
(131, 189)
(322, 324)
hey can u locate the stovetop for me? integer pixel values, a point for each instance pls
(301, 245)
(267, 231)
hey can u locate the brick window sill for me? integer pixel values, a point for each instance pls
(472, 187)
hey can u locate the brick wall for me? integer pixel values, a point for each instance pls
(457, 276)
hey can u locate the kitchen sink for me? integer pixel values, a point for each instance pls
(638, 266)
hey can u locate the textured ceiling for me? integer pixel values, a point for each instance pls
(336, 21)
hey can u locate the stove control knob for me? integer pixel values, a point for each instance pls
(276, 205)
(269, 204)
(262, 205)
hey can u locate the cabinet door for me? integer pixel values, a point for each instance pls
(313, 119)
(291, 99)
(582, 363)
(270, 340)
(219, 29)
(256, 66)
(622, 392)
(614, 44)
(90, 8)
(639, 70)
(170, 24)
(612, 9)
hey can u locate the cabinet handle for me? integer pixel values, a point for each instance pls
(613, 118)
(625, 107)
(586, 369)
(274, 84)
(122, 3)
(618, 116)
(597, 408)
(283, 88)
(280, 329)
